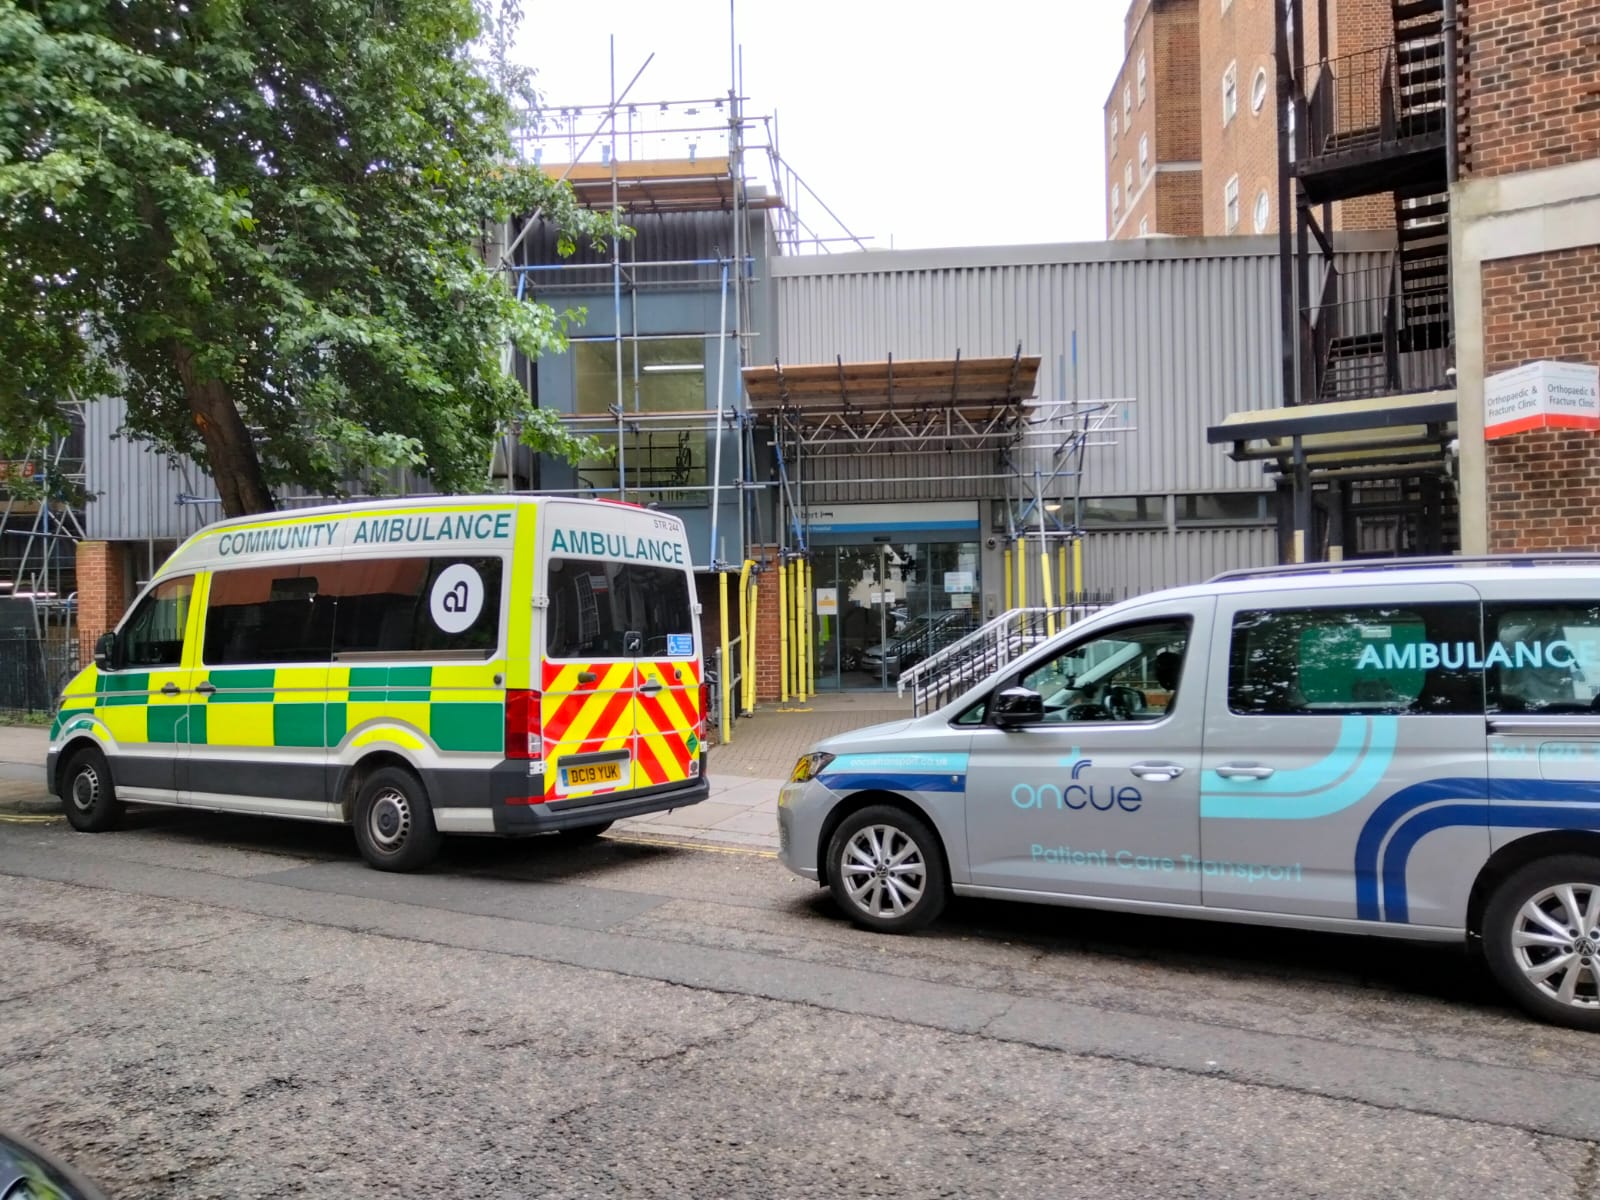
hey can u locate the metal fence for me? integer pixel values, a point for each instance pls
(33, 671)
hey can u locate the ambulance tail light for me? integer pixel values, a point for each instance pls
(522, 724)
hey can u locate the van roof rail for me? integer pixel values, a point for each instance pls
(1551, 558)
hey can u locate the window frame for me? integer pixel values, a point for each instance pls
(1144, 157)
(1015, 677)
(1116, 200)
(1230, 93)
(1265, 517)
(1230, 204)
(1144, 226)
(1113, 133)
(1127, 99)
(1260, 86)
(144, 601)
(1127, 180)
(1139, 77)
(1261, 212)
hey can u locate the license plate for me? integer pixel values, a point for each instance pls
(592, 776)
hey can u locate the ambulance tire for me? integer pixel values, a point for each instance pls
(1555, 980)
(88, 796)
(582, 834)
(394, 821)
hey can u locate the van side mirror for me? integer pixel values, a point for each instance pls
(105, 652)
(1018, 706)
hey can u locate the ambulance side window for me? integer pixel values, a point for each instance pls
(153, 634)
(416, 607)
(269, 615)
(1543, 658)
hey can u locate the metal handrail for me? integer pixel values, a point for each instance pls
(985, 650)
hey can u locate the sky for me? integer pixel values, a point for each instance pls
(919, 124)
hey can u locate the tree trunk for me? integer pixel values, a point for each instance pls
(230, 453)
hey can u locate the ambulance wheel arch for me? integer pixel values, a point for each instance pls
(1513, 857)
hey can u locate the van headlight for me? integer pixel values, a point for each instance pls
(810, 766)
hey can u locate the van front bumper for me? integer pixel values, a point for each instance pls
(555, 815)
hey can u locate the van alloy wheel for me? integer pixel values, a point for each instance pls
(1555, 942)
(883, 871)
(886, 869)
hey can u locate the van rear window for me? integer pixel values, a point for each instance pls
(604, 609)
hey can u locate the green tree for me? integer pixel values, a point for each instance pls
(261, 222)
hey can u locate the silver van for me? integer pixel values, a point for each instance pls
(1409, 748)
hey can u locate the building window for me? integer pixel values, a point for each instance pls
(1127, 99)
(1230, 205)
(1140, 73)
(1258, 90)
(1230, 92)
(1144, 157)
(1226, 5)
(1127, 180)
(1225, 508)
(1116, 201)
(1144, 226)
(1113, 133)
(661, 375)
(1263, 212)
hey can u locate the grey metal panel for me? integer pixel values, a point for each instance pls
(134, 490)
(1128, 564)
(1186, 328)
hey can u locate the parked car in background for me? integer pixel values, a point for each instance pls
(918, 638)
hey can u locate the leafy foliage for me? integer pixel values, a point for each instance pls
(261, 221)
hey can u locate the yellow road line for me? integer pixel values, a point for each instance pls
(712, 847)
(29, 818)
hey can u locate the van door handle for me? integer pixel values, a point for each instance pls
(1157, 772)
(206, 689)
(1244, 771)
(169, 689)
(587, 677)
(650, 688)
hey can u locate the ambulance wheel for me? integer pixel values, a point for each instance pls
(394, 822)
(580, 834)
(87, 793)
(886, 870)
(1541, 937)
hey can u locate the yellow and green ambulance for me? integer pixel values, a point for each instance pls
(414, 667)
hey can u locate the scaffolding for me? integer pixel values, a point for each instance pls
(41, 522)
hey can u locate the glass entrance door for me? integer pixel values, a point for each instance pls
(884, 606)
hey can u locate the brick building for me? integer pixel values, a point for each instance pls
(1153, 124)
(1526, 261)
(1191, 121)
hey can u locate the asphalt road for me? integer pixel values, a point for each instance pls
(202, 1006)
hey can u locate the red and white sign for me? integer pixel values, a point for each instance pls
(1541, 395)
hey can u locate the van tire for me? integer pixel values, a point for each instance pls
(88, 795)
(868, 860)
(581, 834)
(1542, 884)
(394, 821)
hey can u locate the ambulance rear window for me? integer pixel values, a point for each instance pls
(596, 604)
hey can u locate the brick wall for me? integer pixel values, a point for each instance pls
(1543, 486)
(1162, 32)
(102, 592)
(1180, 203)
(1247, 146)
(1529, 84)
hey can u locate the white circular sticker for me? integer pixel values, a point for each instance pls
(457, 598)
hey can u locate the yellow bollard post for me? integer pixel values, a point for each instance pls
(796, 650)
(1044, 586)
(1077, 567)
(724, 666)
(1022, 572)
(783, 630)
(1067, 597)
(752, 658)
(811, 641)
(1005, 596)
(744, 632)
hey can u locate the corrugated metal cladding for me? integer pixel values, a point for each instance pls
(1188, 330)
(1128, 564)
(134, 491)
(677, 238)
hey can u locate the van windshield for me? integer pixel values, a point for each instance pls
(595, 604)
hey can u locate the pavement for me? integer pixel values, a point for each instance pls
(746, 773)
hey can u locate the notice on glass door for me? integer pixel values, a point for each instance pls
(827, 602)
